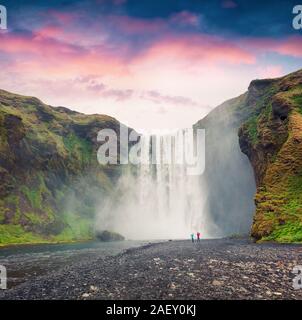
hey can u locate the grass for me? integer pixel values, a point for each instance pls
(289, 210)
(298, 100)
(33, 196)
(268, 111)
(15, 234)
(252, 127)
(67, 161)
(279, 210)
(291, 231)
(79, 148)
(295, 97)
(77, 228)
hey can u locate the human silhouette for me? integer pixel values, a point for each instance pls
(192, 237)
(198, 236)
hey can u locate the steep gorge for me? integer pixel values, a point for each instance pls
(51, 182)
(52, 186)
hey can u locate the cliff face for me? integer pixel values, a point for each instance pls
(51, 181)
(228, 180)
(272, 139)
(268, 119)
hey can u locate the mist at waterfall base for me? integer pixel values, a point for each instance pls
(163, 202)
(228, 179)
(159, 198)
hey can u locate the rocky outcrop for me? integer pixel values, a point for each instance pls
(272, 139)
(228, 181)
(109, 236)
(268, 120)
(51, 182)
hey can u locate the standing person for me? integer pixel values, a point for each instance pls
(198, 236)
(192, 237)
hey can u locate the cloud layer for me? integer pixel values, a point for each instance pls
(113, 57)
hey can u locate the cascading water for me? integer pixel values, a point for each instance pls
(158, 199)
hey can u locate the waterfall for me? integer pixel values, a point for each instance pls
(158, 199)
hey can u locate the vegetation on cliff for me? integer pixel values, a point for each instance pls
(51, 182)
(272, 139)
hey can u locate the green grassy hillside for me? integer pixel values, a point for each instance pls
(51, 183)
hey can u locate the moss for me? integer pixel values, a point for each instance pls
(78, 228)
(291, 231)
(3, 134)
(34, 219)
(33, 196)
(262, 112)
(14, 202)
(268, 112)
(252, 128)
(295, 96)
(50, 161)
(15, 234)
(3, 210)
(274, 148)
(78, 148)
(280, 215)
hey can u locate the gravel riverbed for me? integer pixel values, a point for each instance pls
(211, 269)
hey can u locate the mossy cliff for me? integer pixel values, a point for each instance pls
(271, 137)
(268, 120)
(51, 182)
(228, 179)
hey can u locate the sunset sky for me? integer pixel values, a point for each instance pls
(149, 63)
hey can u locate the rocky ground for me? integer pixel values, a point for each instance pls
(211, 269)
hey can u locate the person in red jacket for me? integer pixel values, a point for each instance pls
(198, 236)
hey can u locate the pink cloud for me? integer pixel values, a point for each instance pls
(55, 51)
(185, 18)
(50, 31)
(271, 72)
(159, 98)
(198, 48)
(61, 17)
(102, 90)
(35, 44)
(130, 25)
(291, 46)
(136, 26)
(41, 52)
(117, 94)
(96, 87)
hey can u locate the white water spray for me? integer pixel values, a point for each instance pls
(158, 199)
